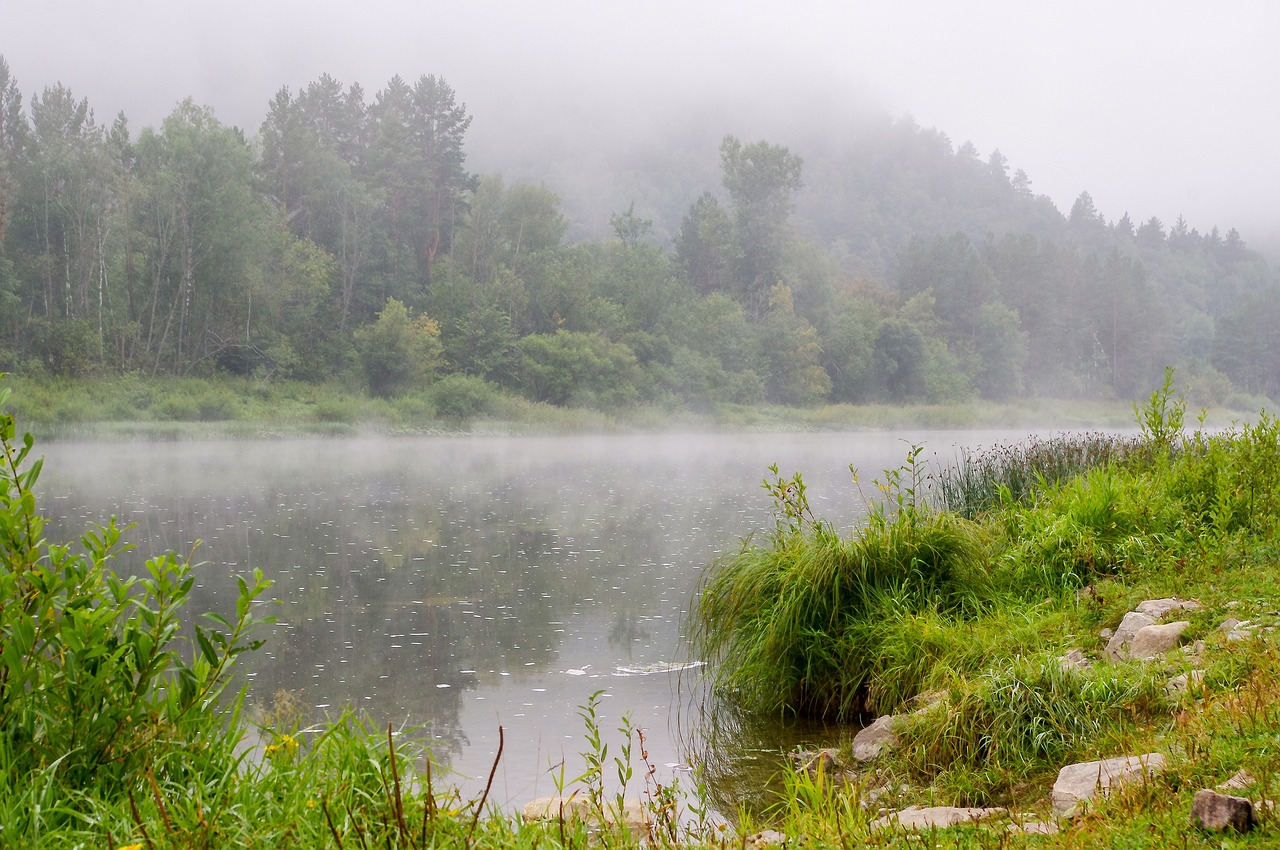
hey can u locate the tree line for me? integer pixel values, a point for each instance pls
(347, 240)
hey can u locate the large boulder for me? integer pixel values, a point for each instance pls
(1077, 784)
(874, 739)
(1154, 641)
(1133, 622)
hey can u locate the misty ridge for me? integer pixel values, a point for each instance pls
(685, 262)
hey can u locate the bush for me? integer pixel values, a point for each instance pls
(463, 397)
(177, 407)
(399, 351)
(94, 689)
(584, 369)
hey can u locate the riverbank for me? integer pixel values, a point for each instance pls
(1053, 611)
(131, 407)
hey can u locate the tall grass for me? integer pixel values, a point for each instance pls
(801, 623)
(982, 480)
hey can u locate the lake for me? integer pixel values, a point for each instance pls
(459, 584)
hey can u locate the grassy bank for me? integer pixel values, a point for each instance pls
(966, 586)
(134, 407)
(955, 605)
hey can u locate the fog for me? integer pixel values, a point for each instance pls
(1155, 109)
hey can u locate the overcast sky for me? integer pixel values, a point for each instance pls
(1155, 108)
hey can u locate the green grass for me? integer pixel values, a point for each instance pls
(1023, 553)
(137, 407)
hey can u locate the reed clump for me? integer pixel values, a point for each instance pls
(806, 622)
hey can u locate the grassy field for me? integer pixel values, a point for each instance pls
(965, 585)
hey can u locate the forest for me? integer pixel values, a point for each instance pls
(346, 241)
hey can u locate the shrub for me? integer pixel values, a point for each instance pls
(463, 396)
(399, 351)
(93, 686)
(583, 369)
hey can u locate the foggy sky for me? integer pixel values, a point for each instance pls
(1159, 109)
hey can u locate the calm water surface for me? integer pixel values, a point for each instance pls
(466, 583)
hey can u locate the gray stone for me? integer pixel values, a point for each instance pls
(926, 702)
(875, 739)
(1239, 780)
(1221, 812)
(1154, 641)
(766, 838)
(1080, 783)
(1118, 646)
(1182, 684)
(1074, 660)
(578, 807)
(1161, 608)
(941, 817)
(1237, 629)
(1034, 827)
(825, 761)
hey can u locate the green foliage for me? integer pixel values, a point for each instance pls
(799, 624)
(577, 368)
(981, 481)
(464, 397)
(399, 351)
(1162, 416)
(1011, 721)
(1069, 532)
(93, 685)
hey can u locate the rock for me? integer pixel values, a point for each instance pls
(1118, 646)
(1239, 780)
(941, 817)
(766, 838)
(1106, 634)
(874, 739)
(1080, 783)
(1160, 608)
(1182, 684)
(925, 702)
(1154, 641)
(1220, 812)
(1034, 827)
(825, 761)
(1237, 629)
(577, 807)
(1074, 660)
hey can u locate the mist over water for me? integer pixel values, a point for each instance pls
(462, 584)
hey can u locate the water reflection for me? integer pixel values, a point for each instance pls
(462, 583)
